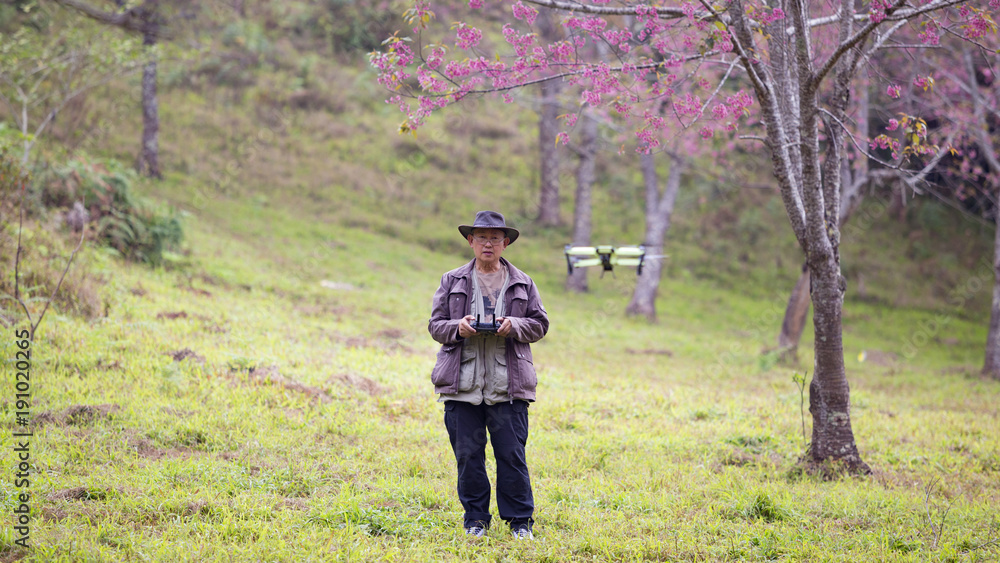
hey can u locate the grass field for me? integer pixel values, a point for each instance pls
(266, 395)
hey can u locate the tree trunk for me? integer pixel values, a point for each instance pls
(658, 212)
(548, 128)
(829, 392)
(795, 317)
(988, 149)
(582, 224)
(811, 195)
(853, 177)
(992, 364)
(149, 163)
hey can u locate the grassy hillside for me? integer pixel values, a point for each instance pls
(265, 396)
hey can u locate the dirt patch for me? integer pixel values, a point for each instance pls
(106, 365)
(81, 493)
(388, 340)
(138, 291)
(393, 333)
(84, 414)
(77, 415)
(270, 375)
(291, 504)
(197, 291)
(10, 554)
(145, 448)
(651, 352)
(357, 382)
(879, 357)
(186, 353)
(54, 513)
(173, 315)
(199, 508)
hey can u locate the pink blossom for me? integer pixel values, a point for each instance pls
(436, 57)
(924, 82)
(647, 141)
(455, 69)
(739, 103)
(562, 137)
(978, 25)
(772, 16)
(931, 35)
(688, 106)
(688, 9)
(893, 91)
(893, 125)
(877, 11)
(521, 43)
(467, 37)
(430, 81)
(591, 97)
(475, 4)
(561, 51)
(526, 13)
(706, 133)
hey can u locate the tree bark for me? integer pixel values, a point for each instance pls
(796, 312)
(794, 322)
(658, 214)
(149, 159)
(548, 128)
(585, 177)
(992, 363)
(811, 195)
(829, 392)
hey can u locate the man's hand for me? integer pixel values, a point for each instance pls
(505, 327)
(465, 329)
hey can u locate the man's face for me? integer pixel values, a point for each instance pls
(488, 244)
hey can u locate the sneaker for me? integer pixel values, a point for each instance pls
(523, 533)
(477, 529)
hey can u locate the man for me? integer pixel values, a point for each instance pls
(485, 315)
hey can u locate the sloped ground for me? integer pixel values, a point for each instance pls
(266, 397)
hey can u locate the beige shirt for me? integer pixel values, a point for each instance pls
(483, 375)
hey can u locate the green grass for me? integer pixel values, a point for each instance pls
(301, 424)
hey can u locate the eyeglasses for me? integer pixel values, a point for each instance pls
(492, 240)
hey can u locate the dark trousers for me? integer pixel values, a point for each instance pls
(507, 424)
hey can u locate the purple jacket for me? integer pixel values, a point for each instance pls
(528, 319)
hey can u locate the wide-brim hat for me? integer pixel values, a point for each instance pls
(489, 220)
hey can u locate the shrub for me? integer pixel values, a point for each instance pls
(117, 216)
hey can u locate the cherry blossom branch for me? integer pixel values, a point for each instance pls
(666, 13)
(932, 7)
(858, 37)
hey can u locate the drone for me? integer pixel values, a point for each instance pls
(606, 256)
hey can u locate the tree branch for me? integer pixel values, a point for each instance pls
(83, 234)
(667, 13)
(849, 44)
(128, 19)
(17, 256)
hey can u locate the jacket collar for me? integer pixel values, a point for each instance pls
(516, 276)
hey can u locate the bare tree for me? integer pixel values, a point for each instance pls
(586, 150)
(659, 209)
(145, 20)
(548, 129)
